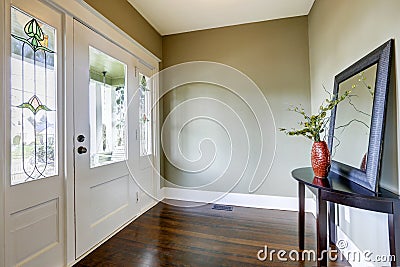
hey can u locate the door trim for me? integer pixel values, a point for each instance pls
(2, 132)
(69, 141)
(93, 19)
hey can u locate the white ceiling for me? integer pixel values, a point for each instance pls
(177, 16)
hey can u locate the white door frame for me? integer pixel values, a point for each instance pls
(3, 94)
(81, 11)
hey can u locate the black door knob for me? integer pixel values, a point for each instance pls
(82, 150)
(80, 138)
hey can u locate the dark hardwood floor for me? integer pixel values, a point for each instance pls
(169, 235)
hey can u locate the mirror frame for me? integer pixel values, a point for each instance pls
(383, 57)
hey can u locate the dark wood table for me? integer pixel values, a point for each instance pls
(338, 189)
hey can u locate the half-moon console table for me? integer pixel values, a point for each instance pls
(340, 190)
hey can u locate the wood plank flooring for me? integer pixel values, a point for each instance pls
(169, 235)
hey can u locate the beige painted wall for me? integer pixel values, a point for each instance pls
(274, 55)
(122, 14)
(340, 33)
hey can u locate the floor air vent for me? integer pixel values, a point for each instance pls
(222, 207)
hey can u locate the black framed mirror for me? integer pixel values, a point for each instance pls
(357, 124)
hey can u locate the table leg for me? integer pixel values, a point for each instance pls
(301, 215)
(322, 225)
(394, 234)
(332, 223)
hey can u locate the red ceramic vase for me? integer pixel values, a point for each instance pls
(320, 159)
(323, 182)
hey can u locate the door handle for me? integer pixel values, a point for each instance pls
(82, 150)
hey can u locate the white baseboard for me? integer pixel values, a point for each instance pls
(351, 249)
(238, 199)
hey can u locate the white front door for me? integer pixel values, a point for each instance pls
(104, 84)
(34, 220)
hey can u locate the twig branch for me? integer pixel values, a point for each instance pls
(355, 108)
(350, 122)
(336, 146)
(329, 93)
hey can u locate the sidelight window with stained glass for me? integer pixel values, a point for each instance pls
(33, 98)
(145, 100)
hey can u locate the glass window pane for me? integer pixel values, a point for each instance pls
(107, 106)
(145, 116)
(33, 99)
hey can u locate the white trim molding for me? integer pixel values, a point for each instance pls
(348, 247)
(69, 179)
(90, 17)
(2, 134)
(238, 199)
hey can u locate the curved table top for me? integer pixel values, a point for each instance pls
(339, 184)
